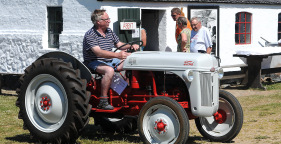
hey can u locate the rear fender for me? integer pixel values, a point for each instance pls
(85, 72)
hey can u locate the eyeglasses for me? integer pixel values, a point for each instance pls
(194, 24)
(108, 19)
(173, 15)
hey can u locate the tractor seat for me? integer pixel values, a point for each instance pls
(94, 72)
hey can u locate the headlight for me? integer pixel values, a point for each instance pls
(188, 75)
(220, 72)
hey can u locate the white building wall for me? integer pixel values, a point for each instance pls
(264, 24)
(24, 35)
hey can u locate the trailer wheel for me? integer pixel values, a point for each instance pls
(123, 125)
(53, 101)
(226, 122)
(163, 120)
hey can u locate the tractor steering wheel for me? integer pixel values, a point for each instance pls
(130, 43)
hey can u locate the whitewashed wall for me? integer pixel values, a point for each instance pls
(264, 24)
(24, 37)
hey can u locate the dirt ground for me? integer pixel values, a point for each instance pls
(249, 92)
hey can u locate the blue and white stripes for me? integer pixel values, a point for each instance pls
(93, 38)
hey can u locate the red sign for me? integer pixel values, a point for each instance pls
(128, 25)
(188, 63)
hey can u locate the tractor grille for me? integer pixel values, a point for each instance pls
(206, 81)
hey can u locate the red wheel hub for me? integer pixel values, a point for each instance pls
(45, 103)
(220, 116)
(160, 126)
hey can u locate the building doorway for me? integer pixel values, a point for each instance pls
(153, 21)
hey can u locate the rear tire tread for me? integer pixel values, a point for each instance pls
(74, 86)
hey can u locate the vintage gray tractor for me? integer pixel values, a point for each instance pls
(158, 94)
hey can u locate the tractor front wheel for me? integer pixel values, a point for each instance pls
(163, 120)
(226, 123)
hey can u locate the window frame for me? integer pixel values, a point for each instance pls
(55, 25)
(279, 27)
(239, 33)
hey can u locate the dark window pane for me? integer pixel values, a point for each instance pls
(242, 17)
(58, 16)
(236, 28)
(242, 28)
(242, 38)
(248, 28)
(237, 17)
(279, 17)
(51, 39)
(248, 38)
(54, 40)
(237, 39)
(279, 36)
(248, 17)
(58, 28)
(55, 25)
(279, 27)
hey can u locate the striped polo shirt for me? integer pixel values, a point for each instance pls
(93, 38)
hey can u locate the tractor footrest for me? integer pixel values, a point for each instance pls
(107, 111)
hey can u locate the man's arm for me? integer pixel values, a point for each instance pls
(143, 37)
(209, 50)
(183, 42)
(208, 41)
(109, 54)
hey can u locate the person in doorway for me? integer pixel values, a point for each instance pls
(98, 56)
(143, 38)
(176, 13)
(184, 36)
(201, 40)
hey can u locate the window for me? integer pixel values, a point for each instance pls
(243, 28)
(279, 26)
(54, 26)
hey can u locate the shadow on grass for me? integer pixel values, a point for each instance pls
(95, 133)
(24, 138)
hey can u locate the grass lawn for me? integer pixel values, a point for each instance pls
(262, 123)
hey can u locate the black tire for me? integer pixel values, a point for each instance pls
(228, 129)
(53, 101)
(124, 125)
(163, 120)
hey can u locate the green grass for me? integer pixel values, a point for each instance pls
(262, 123)
(262, 137)
(273, 86)
(11, 127)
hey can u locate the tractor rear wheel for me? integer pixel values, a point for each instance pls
(163, 120)
(53, 101)
(226, 122)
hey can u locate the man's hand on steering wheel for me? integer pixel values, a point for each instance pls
(134, 47)
(123, 55)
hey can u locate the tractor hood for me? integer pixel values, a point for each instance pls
(159, 61)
